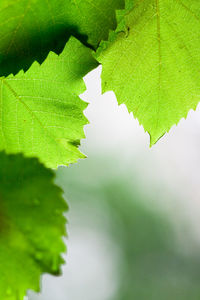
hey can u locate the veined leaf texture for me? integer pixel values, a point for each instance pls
(152, 62)
(41, 114)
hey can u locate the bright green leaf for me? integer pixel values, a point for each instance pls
(30, 29)
(152, 62)
(31, 225)
(41, 114)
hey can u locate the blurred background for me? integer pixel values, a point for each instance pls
(134, 218)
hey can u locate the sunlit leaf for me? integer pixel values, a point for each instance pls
(41, 114)
(152, 62)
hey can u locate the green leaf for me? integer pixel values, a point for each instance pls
(30, 29)
(152, 62)
(41, 114)
(31, 225)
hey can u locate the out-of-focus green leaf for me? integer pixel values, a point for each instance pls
(31, 225)
(30, 29)
(152, 62)
(41, 114)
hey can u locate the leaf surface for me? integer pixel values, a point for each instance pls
(30, 29)
(40, 112)
(152, 62)
(31, 225)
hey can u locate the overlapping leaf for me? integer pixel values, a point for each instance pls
(30, 29)
(40, 112)
(31, 225)
(152, 62)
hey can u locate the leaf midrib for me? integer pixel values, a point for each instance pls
(159, 59)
